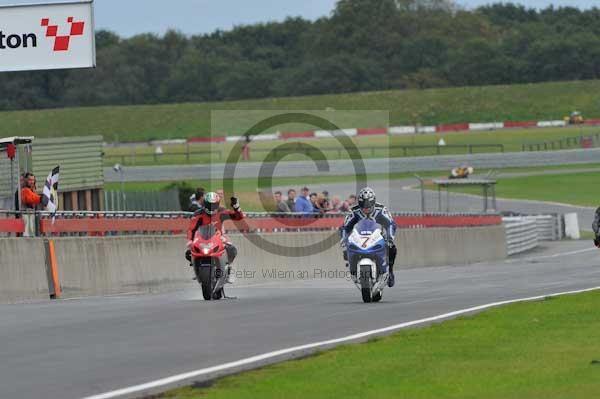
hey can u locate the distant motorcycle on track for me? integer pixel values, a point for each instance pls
(367, 257)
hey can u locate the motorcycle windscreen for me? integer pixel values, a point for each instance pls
(366, 227)
(206, 231)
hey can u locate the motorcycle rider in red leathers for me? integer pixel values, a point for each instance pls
(213, 213)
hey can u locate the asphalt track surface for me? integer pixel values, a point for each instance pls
(346, 167)
(77, 348)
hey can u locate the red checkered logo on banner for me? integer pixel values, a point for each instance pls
(61, 42)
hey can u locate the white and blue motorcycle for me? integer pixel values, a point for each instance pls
(367, 258)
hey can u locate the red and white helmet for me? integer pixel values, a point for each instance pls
(212, 202)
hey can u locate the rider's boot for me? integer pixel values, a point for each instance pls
(391, 260)
(391, 279)
(230, 275)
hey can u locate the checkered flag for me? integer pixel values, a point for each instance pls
(49, 195)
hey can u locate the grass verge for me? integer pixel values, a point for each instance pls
(546, 349)
(570, 188)
(368, 147)
(406, 107)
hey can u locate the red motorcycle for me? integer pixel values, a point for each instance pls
(210, 261)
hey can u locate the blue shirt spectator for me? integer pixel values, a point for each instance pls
(303, 205)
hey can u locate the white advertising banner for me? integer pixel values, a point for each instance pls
(47, 36)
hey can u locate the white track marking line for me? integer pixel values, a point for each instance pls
(124, 295)
(558, 255)
(270, 355)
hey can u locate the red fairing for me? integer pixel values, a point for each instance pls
(217, 219)
(208, 247)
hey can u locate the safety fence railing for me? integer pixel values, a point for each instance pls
(550, 227)
(521, 236)
(589, 140)
(524, 232)
(83, 223)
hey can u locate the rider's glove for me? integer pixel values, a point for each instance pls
(343, 244)
(235, 203)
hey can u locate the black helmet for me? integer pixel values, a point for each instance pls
(366, 199)
(211, 202)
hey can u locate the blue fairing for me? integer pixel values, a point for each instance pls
(376, 251)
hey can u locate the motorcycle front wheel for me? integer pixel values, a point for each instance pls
(205, 275)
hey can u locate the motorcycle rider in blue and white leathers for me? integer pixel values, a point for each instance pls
(368, 207)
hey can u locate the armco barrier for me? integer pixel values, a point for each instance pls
(549, 227)
(521, 236)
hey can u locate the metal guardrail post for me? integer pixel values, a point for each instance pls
(422, 184)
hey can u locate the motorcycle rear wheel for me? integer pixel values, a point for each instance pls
(366, 295)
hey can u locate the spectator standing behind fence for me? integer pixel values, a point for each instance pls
(29, 201)
(306, 193)
(291, 201)
(336, 202)
(29, 198)
(303, 205)
(221, 195)
(281, 205)
(323, 203)
(314, 201)
(198, 199)
(347, 205)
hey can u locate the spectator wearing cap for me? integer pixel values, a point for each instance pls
(291, 201)
(281, 205)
